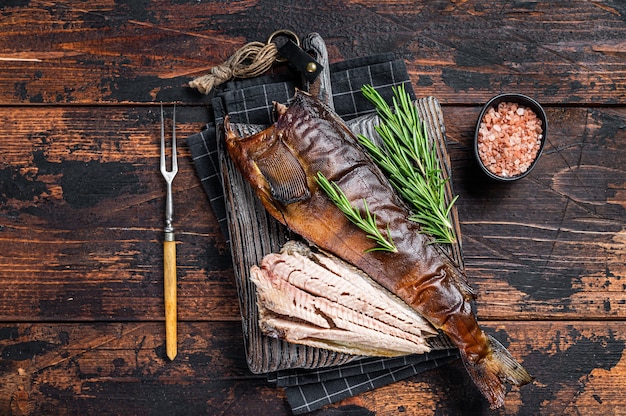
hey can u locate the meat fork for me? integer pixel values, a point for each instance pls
(169, 245)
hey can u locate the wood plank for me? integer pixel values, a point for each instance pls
(459, 52)
(552, 244)
(82, 214)
(580, 368)
(82, 206)
(98, 368)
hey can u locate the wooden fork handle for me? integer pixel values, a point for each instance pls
(169, 269)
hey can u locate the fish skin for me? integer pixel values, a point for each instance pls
(419, 272)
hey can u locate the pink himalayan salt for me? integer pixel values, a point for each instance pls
(509, 139)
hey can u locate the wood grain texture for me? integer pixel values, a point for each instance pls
(461, 51)
(81, 201)
(170, 298)
(96, 368)
(87, 201)
(82, 219)
(553, 245)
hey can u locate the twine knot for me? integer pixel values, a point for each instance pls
(252, 60)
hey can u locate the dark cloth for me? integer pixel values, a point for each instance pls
(309, 390)
(250, 101)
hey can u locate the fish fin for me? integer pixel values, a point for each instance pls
(238, 145)
(285, 175)
(282, 179)
(228, 128)
(494, 370)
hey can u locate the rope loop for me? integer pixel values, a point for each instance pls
(251, 60)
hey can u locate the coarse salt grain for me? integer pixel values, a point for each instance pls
(509, 139)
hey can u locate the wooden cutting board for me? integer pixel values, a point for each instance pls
(254, 234)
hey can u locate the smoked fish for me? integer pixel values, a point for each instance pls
(282, 163)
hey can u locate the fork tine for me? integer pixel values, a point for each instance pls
(174, 156)
(163, 166)
(169, 174)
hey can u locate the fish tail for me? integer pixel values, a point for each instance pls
(491, 372)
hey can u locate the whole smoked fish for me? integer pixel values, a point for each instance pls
(282, 162)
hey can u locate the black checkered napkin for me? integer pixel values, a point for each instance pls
(308, 390)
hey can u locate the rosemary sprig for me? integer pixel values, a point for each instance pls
(410, 162)
(366, 223)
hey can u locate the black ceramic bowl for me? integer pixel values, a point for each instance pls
(524, 101)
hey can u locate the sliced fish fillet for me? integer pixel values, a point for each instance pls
(318, 300)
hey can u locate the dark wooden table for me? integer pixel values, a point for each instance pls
(82, 201)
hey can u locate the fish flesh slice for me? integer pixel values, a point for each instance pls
(315, 299)
(282, 163)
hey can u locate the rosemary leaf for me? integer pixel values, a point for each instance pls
(411, 162)
(366, 223)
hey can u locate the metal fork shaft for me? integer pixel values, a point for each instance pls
(169, 214)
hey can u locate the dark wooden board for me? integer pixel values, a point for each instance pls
(102, 262)
(460, 52)
(551, 245)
